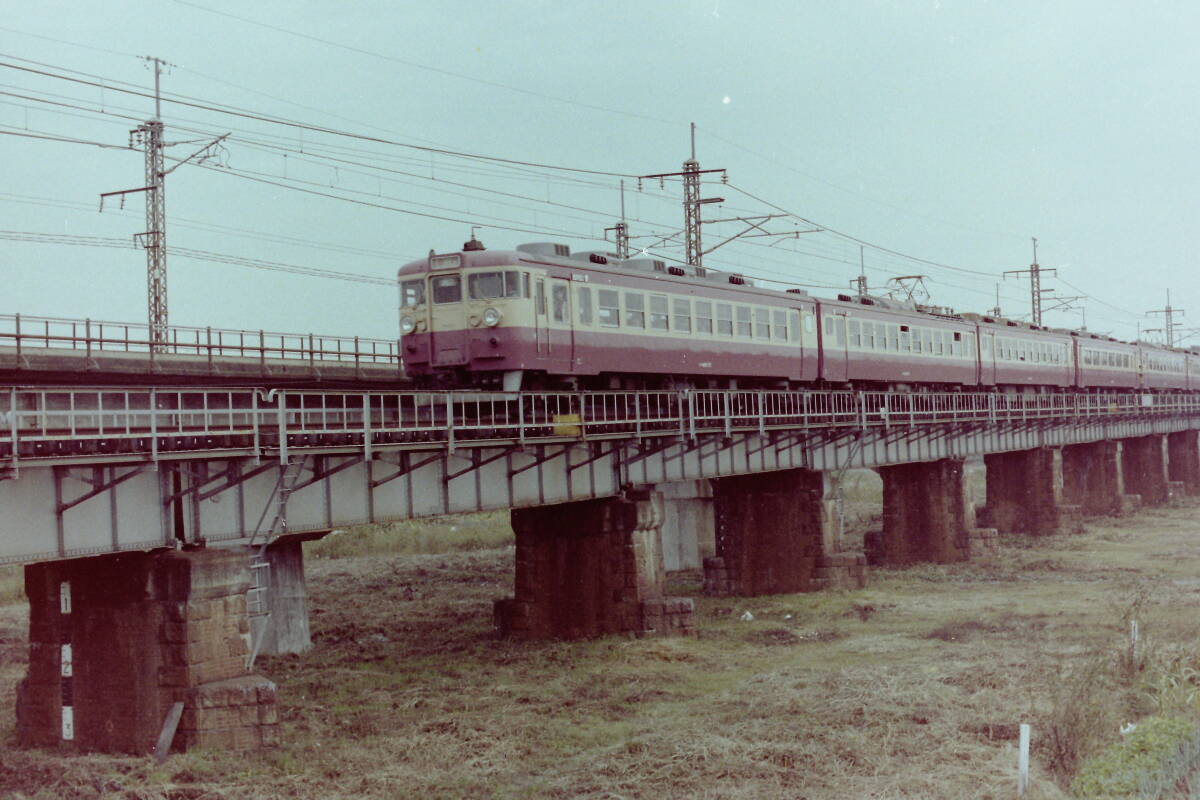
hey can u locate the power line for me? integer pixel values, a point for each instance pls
(194, 254)
(426, 67)
(831, 185)
(322, 129)
(64, 139)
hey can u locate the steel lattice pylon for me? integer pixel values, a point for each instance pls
(691, 211)
(150, 136)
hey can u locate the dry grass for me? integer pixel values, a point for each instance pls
(911, 688)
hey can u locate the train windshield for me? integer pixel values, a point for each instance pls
(491, 285)
(412, 293)
(447, 289)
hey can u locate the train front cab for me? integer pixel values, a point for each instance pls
(475, 317)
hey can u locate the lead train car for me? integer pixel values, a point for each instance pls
(539, 317)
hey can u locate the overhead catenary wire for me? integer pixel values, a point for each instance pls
(307, 148)
(320, 128)
(428, 68)
(193, 253)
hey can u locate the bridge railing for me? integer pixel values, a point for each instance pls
(88, 336)
(58, 422)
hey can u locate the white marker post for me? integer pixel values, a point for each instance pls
(1023, 762)
(66, 664)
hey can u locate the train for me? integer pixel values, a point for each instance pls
(540, 317)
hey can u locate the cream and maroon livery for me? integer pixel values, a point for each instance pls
(565, 318)
(541, 316)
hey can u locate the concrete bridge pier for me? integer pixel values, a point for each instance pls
(927, 516)
(284, 629)
(1094, 478)
(1025, 493)
(1144, 463)
(776, 532)
(116, 640)
(1183, 455)
(688, 528)
(591, 568)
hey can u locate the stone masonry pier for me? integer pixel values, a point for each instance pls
(1144, 464)
(776, 533)
(591, 568)
(1094, 479)
(1183, 455)
(117, 640)
(1025, 493)
(927, 516)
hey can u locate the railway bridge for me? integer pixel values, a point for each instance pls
(161, 525)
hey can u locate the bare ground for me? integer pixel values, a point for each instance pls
(911, 688)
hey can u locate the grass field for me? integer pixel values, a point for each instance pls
(911, 688)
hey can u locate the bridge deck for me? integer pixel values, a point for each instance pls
(87, 471)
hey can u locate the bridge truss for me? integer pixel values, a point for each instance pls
(87, 471)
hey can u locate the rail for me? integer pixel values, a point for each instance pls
(96, 336)
(39, 424)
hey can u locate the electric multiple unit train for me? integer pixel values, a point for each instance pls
(541, 317)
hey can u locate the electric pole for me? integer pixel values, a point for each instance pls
(1035, 284)
(1168, 320)
(692, 201)
(149, 136)
(621, 229)
(859, 284)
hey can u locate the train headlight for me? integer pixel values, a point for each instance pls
(491, 317)
(407, 325)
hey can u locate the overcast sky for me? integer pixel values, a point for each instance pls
(950, 132)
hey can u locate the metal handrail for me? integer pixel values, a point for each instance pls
(38, 423)
(91, 335)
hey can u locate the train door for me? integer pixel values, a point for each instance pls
(833, 345)
(987, 357)
(541, 323)
(562, 330)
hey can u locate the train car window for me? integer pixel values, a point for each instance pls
(829, 326)
(512, 283)
(905, 340)
(558, 296)
(809, 323)
(540, 300)
(987, 346)
(658, 312)
(762, 323)
(525, 284)
(780, 322)
(869, 335)
(917, 344)
(682, 314)
(894, 338)
(635, 310)
(839, 331)
(958, 345)
(585, 305)
(743, 321)
(704, 323)
(412, 293)
(855, 333)
(447, 289)
(485, 285)
(724, 319)
(610, 308)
